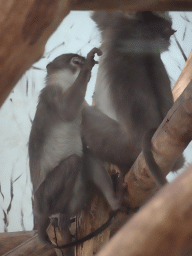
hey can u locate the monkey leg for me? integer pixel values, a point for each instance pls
(101, 178)
(56, 190)
(107, 140)
(43, 222)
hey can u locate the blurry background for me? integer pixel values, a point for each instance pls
(76, 34)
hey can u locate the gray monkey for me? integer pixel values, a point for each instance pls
(132, 93)
(62, 174)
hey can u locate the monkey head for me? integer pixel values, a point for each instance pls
(64, 69)
(139, 32)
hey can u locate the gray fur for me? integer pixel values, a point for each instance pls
(132, 92)
(63, 176)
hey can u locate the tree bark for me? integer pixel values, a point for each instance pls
(162, 227)
(92, 217)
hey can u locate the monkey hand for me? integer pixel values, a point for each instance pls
(90, 57)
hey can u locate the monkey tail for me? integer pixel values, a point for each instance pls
(154, 169)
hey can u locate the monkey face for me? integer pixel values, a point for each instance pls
(72, 62)
(76, 63)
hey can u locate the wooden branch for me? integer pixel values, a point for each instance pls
(162, 227)
(10, 240)
(92, 217)
(184, 78)
(25, 28)
(32, 246)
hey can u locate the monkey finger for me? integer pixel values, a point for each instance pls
(99, 52)
(93, 52)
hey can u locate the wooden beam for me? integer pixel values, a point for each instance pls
(29, 246)
(132, 5)
(10, 240)
(25, 28)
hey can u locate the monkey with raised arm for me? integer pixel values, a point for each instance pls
(132, 93)
(62, 174)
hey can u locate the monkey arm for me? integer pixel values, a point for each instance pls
(67, 103)
(75, 95)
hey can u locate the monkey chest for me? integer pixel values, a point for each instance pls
(64, 140)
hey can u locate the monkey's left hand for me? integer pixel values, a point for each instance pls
(90, 62)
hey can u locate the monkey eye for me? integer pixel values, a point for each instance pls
(76, 61)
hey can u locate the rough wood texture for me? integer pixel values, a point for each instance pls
(9, 241)
(94, 215)
(59, 238)
(162, 227)
(25, 28)
(32, 247)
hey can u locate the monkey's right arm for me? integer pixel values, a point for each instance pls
(75, 95)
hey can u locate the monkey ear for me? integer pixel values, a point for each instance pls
(77, 61)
